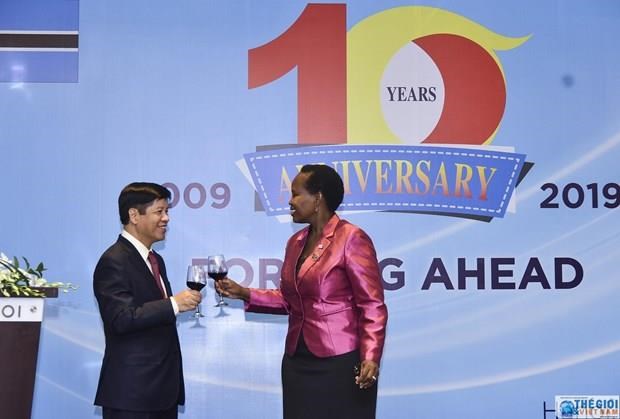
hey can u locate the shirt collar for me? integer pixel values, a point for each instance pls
(140, 247)
(328, 229)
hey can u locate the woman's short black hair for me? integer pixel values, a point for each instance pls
(326, 180)
(139, 195)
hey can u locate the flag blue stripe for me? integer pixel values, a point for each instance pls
(39, 15)
(41, 67)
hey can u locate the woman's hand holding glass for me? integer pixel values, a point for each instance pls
(230, 289)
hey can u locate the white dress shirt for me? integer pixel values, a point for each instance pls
(144, 252)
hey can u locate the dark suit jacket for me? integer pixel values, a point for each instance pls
(142, 368)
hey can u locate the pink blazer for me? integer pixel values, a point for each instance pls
(337, 297)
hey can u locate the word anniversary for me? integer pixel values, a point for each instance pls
(418, 177)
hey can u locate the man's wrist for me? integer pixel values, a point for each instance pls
(175, 306)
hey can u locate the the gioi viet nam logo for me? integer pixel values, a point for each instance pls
(404, 106)
(590, 407)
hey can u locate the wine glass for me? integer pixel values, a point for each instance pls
(217, 269)
(196, 280)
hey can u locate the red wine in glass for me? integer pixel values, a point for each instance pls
(218, 275)
(217, 269)
(196, 280)
(196, 286)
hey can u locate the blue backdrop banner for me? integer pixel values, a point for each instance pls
(478, 142)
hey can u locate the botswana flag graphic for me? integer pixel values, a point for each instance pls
(39, 41)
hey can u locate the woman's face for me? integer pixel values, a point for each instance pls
(303, 203)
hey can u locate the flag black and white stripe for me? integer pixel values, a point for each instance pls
(39, 41)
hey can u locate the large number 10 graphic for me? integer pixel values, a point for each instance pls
(339, 75)
(316, 44)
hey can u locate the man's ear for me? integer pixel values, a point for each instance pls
(133, 215)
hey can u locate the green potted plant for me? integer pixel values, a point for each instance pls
(24, 280)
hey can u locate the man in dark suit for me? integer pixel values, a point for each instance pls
(142, 372)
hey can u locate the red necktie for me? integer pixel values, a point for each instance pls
(155, 268)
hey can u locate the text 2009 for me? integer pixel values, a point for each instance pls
(195, 195)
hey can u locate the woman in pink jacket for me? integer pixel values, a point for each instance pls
(331, 290)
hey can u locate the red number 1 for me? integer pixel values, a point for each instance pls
(316, 45)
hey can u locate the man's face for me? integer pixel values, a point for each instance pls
(151, 226)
